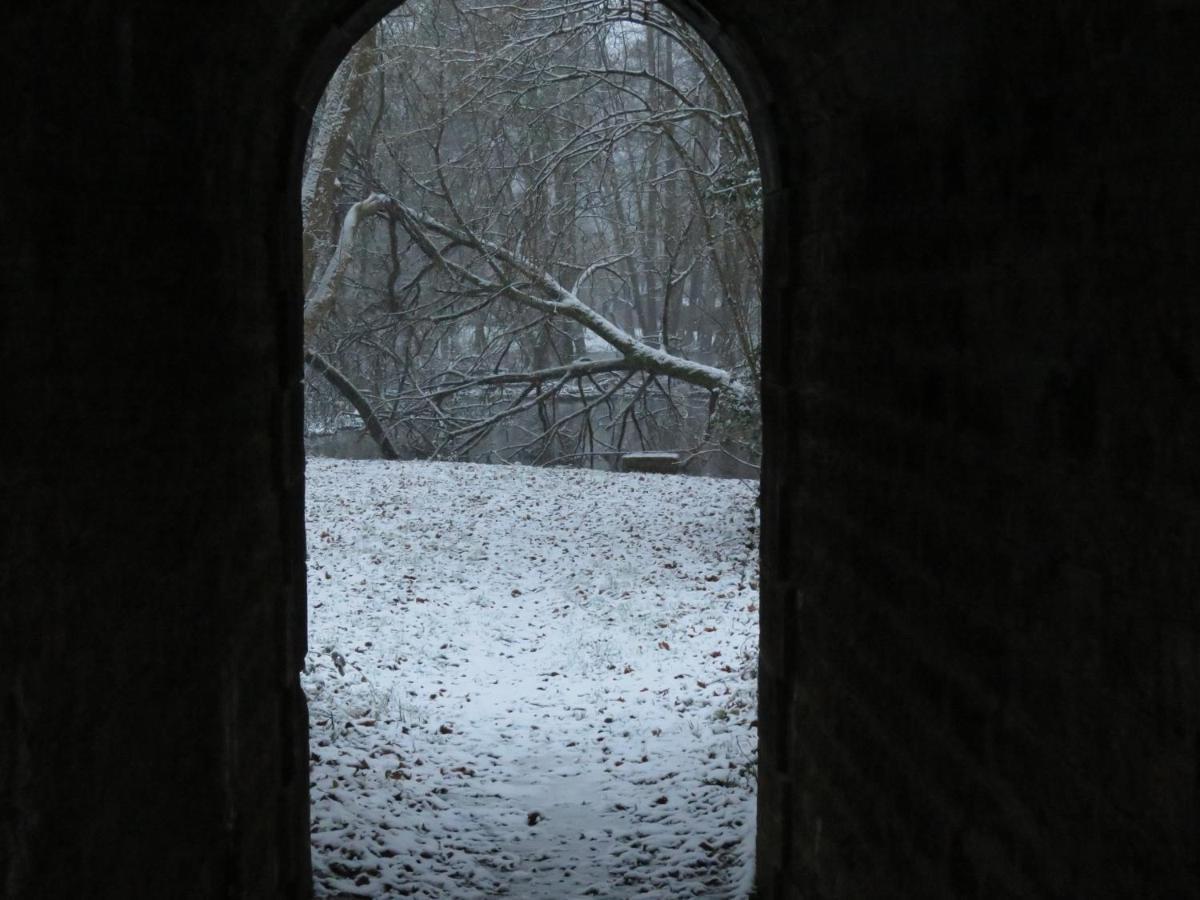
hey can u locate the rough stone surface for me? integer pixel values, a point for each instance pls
(981, 496)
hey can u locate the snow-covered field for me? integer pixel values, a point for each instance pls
(530, 683)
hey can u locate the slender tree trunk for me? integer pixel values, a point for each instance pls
(343, 102)
(344, 387)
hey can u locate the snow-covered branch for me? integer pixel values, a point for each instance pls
(558, 300)
(323, 295)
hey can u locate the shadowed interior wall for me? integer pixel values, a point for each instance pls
(981, 500)
(982, 637)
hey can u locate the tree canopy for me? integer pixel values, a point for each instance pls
(532, 233)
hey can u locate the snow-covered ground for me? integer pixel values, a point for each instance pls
(530, 683)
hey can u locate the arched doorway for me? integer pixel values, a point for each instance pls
(767, 187)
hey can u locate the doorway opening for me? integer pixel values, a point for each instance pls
(532, 258)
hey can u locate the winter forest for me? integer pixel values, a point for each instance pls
(532, 238)
(532, 234)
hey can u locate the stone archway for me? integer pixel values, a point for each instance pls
(755, 84)
(978, 666)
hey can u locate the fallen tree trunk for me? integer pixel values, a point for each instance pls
(551, 297)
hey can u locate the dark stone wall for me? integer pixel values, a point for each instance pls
(981, 643)
(152, 732)
(982, 640)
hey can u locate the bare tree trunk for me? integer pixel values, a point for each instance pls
(320, 301)
(361, 405)
(342, 103)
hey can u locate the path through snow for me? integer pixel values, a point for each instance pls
(530, 683)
